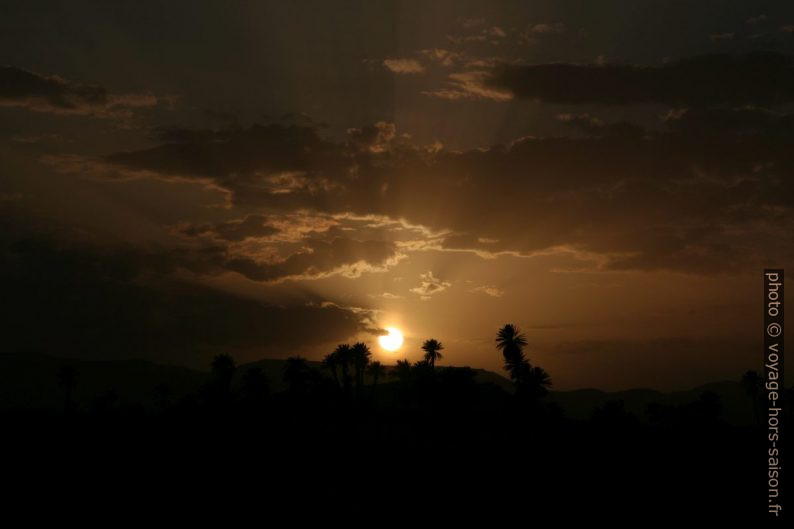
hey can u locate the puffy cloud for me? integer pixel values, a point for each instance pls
(53, 94)
(430, 285)
(762, 78)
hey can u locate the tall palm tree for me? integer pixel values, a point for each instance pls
(432, 349)
(67, 380)
(751, 382)
(330, 361)
(375, 370)
(361, 356)
(344, 355)
(511, 342)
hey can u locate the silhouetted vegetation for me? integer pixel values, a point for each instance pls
(351, 416)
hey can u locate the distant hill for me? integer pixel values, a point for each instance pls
(30, 381)
(580, 403)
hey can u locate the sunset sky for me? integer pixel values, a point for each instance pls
(274, 178)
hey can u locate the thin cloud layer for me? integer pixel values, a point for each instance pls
(56, 95)
(759, 78)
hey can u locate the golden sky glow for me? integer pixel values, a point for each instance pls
(316, 172)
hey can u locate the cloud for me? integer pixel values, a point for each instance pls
(761, 78)
(707, 192)
(73, 298)
(471, 85)
(489, 290)
(757, 19)
(318, 259)
(389, 295)
(52, 94)
(542, 30)
(492, 35)
(547, 28)
(403, 66)
(233, 230)
(430, 285)
(442, 56)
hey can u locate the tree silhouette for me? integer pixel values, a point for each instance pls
(751, 382)
(537, 381)
(432, 349)
(361, 356)
(375, 370)
(511, 342)
(344, 355)
(330, 361)
(402, 370)
(67, 380)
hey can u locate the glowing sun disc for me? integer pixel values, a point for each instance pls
(391, 341)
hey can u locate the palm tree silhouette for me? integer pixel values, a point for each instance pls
(67, 380)
(538, 381)
(511, 342)
(330, 361)
(375, 370)
(751, 382)
(361, 355)
(432, 349)
(344, 355)
(402, 370)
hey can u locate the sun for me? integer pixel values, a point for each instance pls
(391, 341)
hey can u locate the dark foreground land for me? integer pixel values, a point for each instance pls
(440, 440)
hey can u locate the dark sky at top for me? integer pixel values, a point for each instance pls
(273, 178)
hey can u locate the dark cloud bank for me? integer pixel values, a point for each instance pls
(704, 194)
(760, 78)
(56, 95)
(74, 298)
